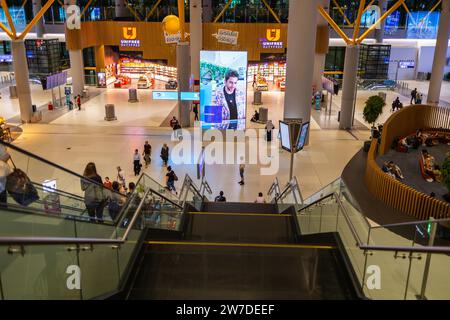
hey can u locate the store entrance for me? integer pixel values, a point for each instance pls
(135, 71)
(267, 76)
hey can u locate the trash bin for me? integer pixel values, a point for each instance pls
(33, 107)
(12, 92)
(382, 95)
(257, 97)
(263, 115)
(110, 113)
(85, 93)
(132, 95)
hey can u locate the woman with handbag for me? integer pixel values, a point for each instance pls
(93, 193)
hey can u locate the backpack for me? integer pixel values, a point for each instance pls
(175, 178)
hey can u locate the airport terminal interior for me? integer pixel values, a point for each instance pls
(184, 149)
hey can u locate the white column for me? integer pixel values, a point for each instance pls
(121, 9)
(440, 54)
(319, 58)
(77, 71)
(183, 72)
(300, 55)
(39, 26)
(22, 84)
(349, 86)
(195, 29)
(379, 33)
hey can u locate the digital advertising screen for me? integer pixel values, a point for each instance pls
(165, 95)
(392, 22)
(284, 134)
(423, 25)
(407, 64)
(303, 136)
(223, 89)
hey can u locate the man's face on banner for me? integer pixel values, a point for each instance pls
(231, 84)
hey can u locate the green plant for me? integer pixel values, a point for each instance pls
(373, 109)
(445, 171)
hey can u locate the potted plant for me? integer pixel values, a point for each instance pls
(372, 110)
(445, 171)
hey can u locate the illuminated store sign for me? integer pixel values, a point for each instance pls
(130, 34)
(272, 39)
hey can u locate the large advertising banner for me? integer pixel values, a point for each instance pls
(423, 25)
(223, 89)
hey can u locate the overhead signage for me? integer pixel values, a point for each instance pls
(392, 22)
(165, 95)
(173, 95)
(226, 36)
(423, 25)
(174, 38)
(272, 40)
(190, 96)
(129, 35)
(407, 64)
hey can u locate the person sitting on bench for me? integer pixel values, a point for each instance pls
(255, 117)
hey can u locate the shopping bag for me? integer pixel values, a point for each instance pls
(20, 188)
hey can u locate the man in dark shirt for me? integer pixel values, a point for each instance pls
(171, 178)
(220, 197)
(146, 154)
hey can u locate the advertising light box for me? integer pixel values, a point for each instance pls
(303, 136)
(223, 89)
(165, 95)
(423, 25)
(285, 137)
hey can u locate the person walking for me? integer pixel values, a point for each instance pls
(92, 186)
(220, 197)
(241, 173)
(269, 128)
(174, 123)
(195, 110)
(165, 154)
(413, 96)
(5, 171)
(146, 154)
(137, 162)
(171, 178)
(79, 102)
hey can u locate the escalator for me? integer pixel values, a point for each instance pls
(240, 251)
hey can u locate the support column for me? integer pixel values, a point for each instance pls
(195, 29)
(73, 43)
(77, 71)
(322, 44)
(349, 86)
(184, 72)
(379, 33)
(440, 55)
(121, 9)
(300, 54)
(99, 58)
(39, 26)
(22, 84)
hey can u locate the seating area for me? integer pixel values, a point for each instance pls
(419, 167)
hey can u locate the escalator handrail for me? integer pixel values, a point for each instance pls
(165, 198)
(50, 163)
(71, 240)
(290, 187)
(59, 192)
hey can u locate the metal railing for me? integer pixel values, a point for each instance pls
(322, 215)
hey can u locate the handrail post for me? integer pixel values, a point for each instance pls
(428, 261)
